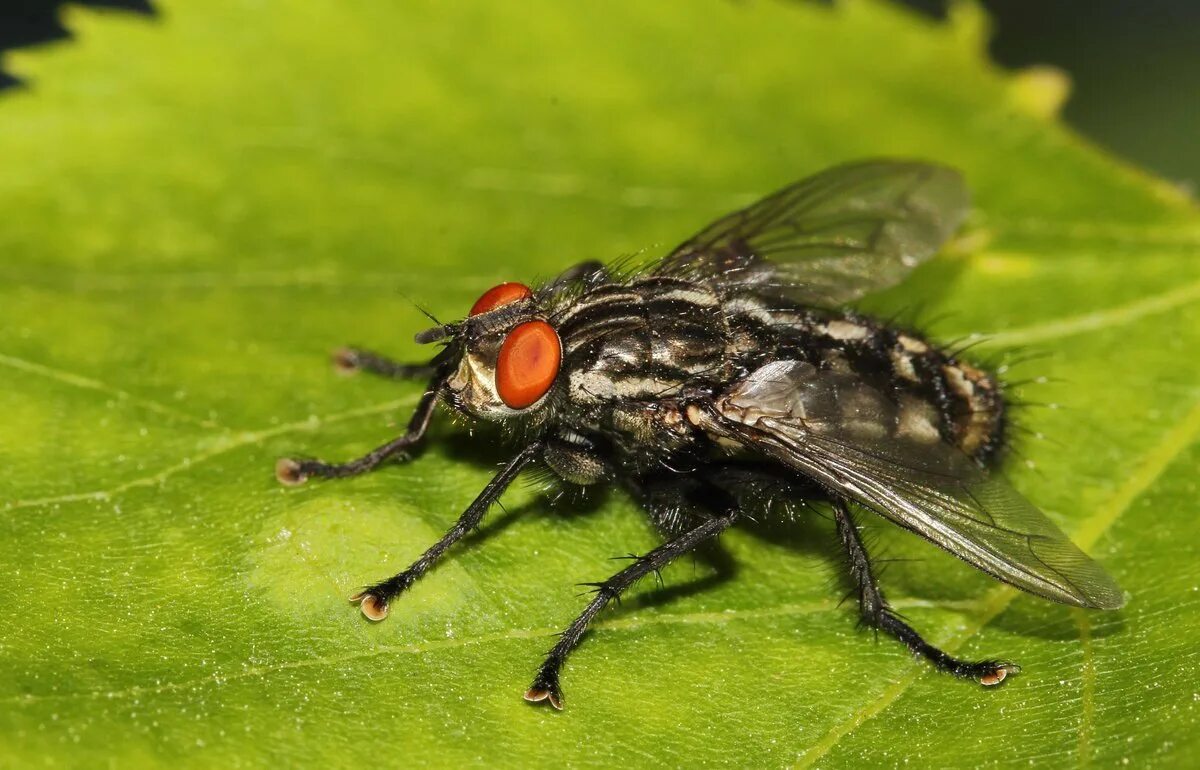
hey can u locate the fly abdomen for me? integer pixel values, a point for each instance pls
(969, 401)
(934, 393)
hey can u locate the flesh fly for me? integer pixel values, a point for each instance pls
(729, 372)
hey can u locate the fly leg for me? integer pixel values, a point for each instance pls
(673, 502)
(373, 600)
(293, 472)
(545, 685)
(877, 613)
(351, 360)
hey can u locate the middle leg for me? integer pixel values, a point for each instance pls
(877, 613)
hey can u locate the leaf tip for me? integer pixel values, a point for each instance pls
(1040, 91)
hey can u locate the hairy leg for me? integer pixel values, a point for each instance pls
(356, 359)
(293, 472)
(545, 685)
(876, 613)
(374, 599)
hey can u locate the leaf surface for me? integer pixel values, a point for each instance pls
(199, 208)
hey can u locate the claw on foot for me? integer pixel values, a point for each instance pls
(289, 472)
(345, 361)
(537, 694)
(545, 689)
(998, 674)
(372, 606)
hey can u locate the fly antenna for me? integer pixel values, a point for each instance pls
(440, 331)
(428, 315)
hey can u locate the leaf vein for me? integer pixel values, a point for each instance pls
(87, 383)
(1098, 320)
(226, 443)
(1087, 704)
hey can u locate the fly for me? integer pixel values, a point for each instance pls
(729, 370)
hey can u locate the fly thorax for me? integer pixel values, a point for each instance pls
(642, 341)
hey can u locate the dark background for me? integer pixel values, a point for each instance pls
(1135, 64)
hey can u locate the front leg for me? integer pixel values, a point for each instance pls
(350, 360)
(374, 599)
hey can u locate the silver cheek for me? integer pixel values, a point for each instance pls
(475, 384)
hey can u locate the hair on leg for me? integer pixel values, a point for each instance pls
(545, 685)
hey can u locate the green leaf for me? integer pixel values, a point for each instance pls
(197, 209)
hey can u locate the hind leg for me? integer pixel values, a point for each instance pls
(877, 613)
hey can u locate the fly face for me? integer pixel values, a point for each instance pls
(730, 353)
(510, 356)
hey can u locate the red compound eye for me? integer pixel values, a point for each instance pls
(528, 364)
(498, 296)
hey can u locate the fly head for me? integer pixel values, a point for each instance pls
(509, 356)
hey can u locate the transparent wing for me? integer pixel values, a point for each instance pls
(833, 237)
(884, 454)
